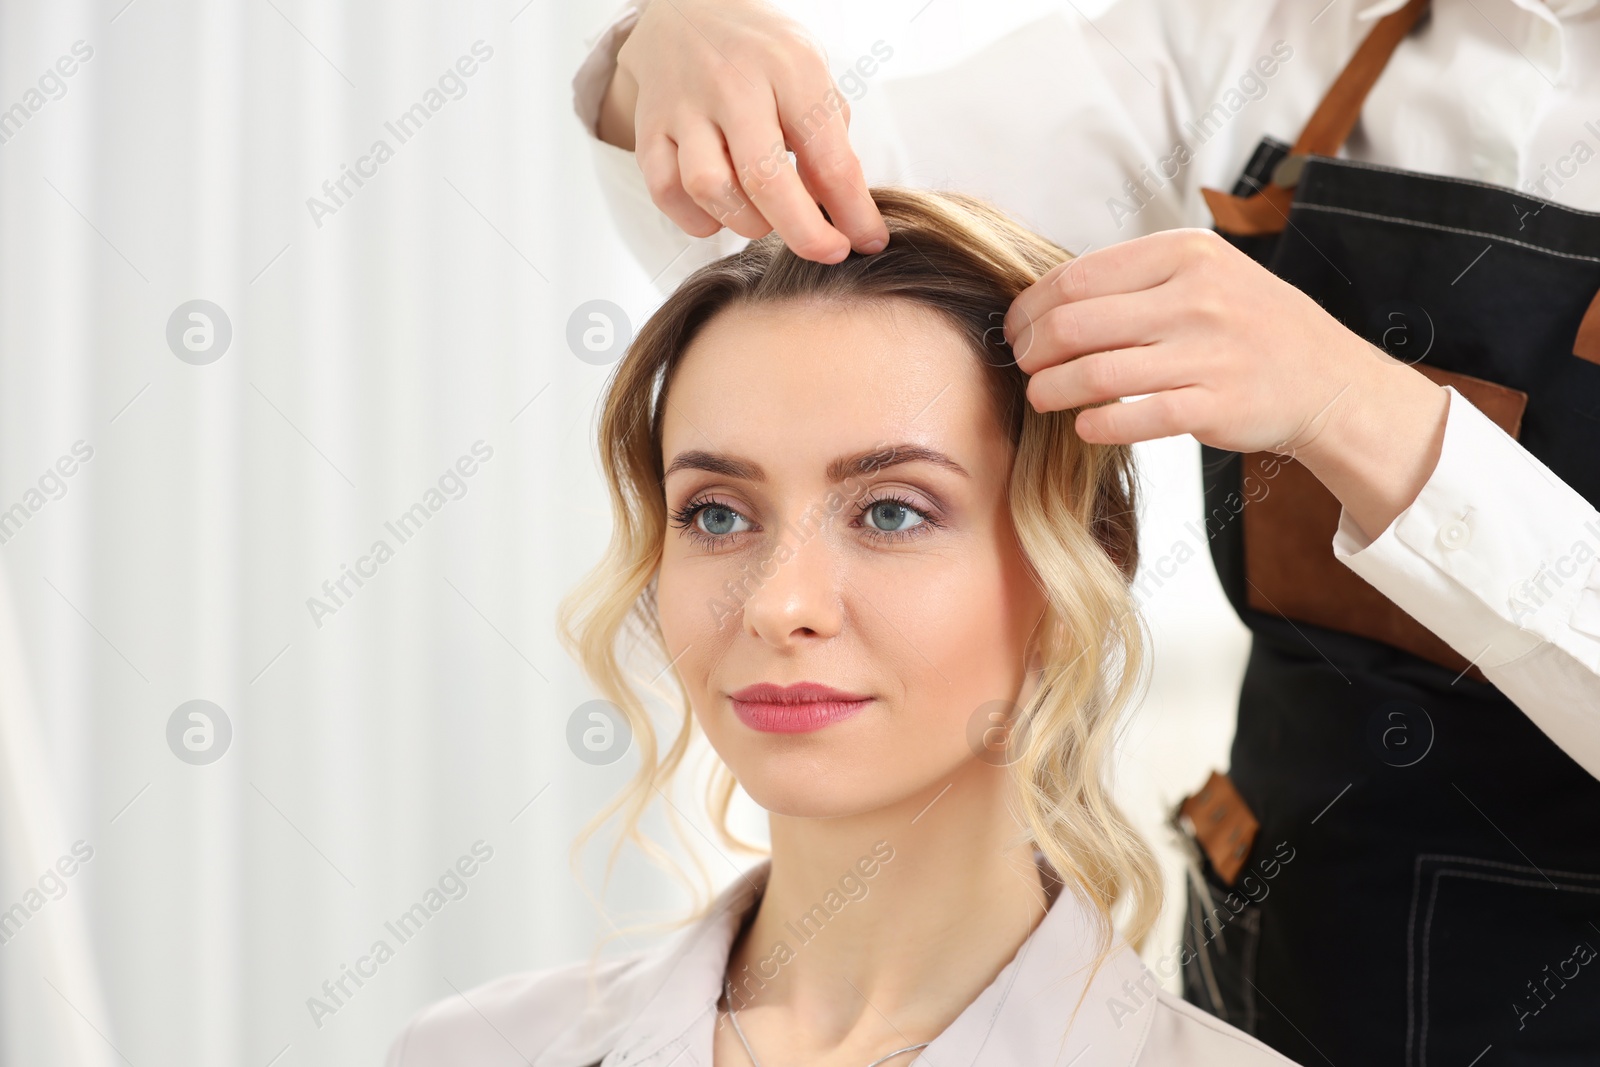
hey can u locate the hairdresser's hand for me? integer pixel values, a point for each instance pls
(1233, 355)
(711, 95)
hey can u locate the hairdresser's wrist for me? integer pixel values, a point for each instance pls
(613, 118)
(615, 126)
(1380, 440)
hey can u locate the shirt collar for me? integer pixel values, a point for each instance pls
(678, 987)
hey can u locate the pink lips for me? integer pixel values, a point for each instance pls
(794, 709)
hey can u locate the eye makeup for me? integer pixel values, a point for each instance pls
(887, 505)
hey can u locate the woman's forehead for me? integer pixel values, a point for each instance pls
(793, 387)
(795, 362)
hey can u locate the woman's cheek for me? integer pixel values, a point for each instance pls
(937, 607)
(669, 605)
(971, 635)
(698, 621)
(679, 604)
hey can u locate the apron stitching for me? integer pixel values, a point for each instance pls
(1448, 229)
(1411, 962)
(1503, 866)
(1342, 162)
(1528, 882)
(1427, 933)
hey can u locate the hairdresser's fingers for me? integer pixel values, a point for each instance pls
(1103, 376)
(1068, 331)
(708, 177)
(1131, 266)
(840, 184)
(819, 132)
(1166, 414)
(657, 157)
(761, 157)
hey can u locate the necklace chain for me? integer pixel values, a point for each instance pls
(733, 1017)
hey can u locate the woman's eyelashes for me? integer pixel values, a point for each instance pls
(886, 517)
(896, 517)
(707, 521)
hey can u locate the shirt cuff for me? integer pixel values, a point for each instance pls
(1496, 555)
(590, 83)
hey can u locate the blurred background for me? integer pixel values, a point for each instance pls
(225, 763)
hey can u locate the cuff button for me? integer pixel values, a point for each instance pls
(1455, 534)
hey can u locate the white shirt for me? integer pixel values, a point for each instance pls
(1052, 121)
(659, 1008)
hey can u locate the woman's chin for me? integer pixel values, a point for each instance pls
(808, 796)
(813, 793)
(849, 780)
(798, 807)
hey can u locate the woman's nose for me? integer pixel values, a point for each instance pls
(798, 588)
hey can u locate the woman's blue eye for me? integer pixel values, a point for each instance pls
(890, 516)
(718, 520)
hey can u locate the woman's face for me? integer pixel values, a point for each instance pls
(843, 477)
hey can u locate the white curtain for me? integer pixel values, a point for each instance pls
(180, 520)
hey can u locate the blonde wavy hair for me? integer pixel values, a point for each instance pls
(1072, 504)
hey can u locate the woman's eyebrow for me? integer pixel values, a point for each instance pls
(862, 463)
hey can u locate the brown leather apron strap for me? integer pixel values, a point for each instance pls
(1586, 345)
(1267, 210)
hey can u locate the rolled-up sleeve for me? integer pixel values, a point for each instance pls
(1501, 559)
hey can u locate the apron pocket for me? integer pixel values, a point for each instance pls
(1523, 986)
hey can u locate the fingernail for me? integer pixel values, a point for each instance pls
(876, 244)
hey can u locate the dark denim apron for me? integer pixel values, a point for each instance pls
(1440, 902)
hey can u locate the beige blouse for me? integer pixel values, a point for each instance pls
(658, 1007)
